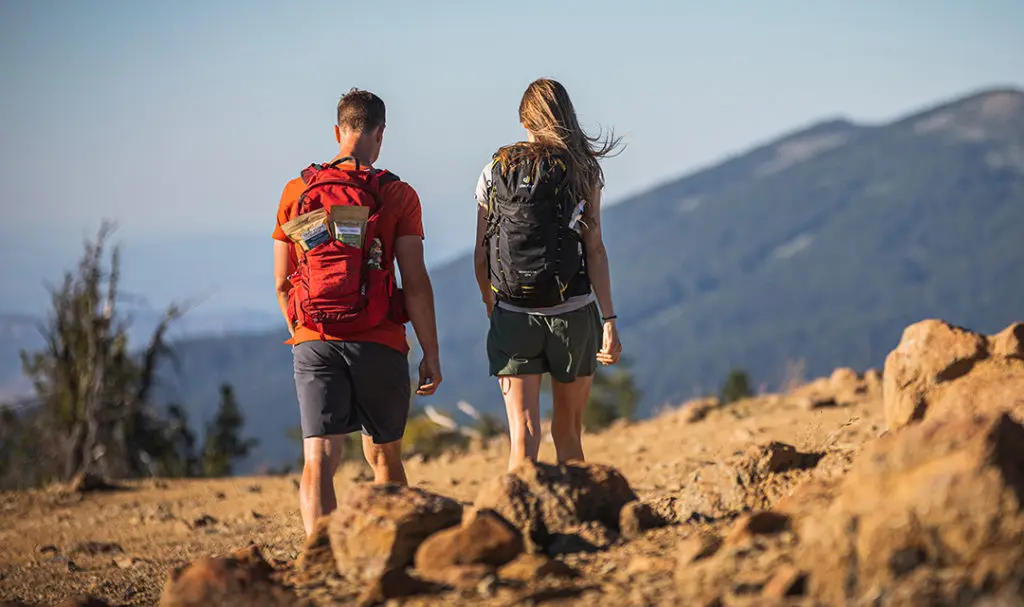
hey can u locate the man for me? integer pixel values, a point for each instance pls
(358, 380)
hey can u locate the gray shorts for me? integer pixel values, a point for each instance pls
(346, 386)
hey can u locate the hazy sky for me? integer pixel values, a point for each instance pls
(185, 118)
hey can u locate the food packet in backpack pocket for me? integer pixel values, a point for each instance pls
(349, 223)
(309, 230)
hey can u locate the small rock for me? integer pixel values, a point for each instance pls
(254, 489)
(696, 410)
(758, 523)
(48, 549)
(636, 518)
(125, 562)
(697, 547)
(362, 476)
(462, 577)
(786, 581)
(72, 567)
(665, 508)
(204, 520)
(393, 584)
(219, 496)
(84, 601)
(816, 401)
(487, 587)
(96, 548)
(648, 564)
(88, 482)
(256, 515)
(316, 556)
(530, 567)
(588, 537)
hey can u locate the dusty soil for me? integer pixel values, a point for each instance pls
(140, 534)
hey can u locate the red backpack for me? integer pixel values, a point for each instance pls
(338, 287)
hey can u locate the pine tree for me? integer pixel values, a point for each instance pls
(614, 395)
(223, 444)
(736, 386)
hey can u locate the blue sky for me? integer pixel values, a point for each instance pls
(182, 120)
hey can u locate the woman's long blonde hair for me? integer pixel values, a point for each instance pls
(547, 112)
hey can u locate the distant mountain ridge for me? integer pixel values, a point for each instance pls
(819, 246)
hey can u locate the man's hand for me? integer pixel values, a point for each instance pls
(430, 376)
(284, 265)
(611, 347)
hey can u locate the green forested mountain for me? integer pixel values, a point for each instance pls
(820, 247)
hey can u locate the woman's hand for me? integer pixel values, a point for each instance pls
(611, 347)
(489, 302)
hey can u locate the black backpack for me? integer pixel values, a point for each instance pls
(534, 259)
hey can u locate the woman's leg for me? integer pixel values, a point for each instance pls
(567, 417)
(522, 404)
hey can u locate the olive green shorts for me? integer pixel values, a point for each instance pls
(565, 345)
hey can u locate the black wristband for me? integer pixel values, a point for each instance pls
(607, 318)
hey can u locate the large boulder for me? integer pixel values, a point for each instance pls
(542, 500)
(636, 518)
(461, 555)
(751, 480)
(941, 370)
(935, 508)
(377, 528)
(844, 387)
(242, 578)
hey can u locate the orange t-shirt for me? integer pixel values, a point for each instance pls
(400, 215)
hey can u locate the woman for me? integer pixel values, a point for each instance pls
(542, 269)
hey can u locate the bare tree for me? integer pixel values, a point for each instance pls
(93, 392)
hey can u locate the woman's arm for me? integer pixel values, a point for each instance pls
(480, 260)
(600, 277)
(597, 255)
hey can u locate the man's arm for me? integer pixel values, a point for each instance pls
(480, 260)
(283, 267)
(419, 303)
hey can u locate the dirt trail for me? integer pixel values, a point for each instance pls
(140, 534)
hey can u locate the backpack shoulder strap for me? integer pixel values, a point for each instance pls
(351, 159)
(385, 177)
(307, 173)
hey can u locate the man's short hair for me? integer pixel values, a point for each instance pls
(360, 111)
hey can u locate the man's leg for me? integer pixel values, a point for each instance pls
(322, 454)
(381, 396)
(385, 460)
(567, 417)
(522, 404)
(324, 391)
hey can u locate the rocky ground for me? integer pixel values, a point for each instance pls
(842, 492)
